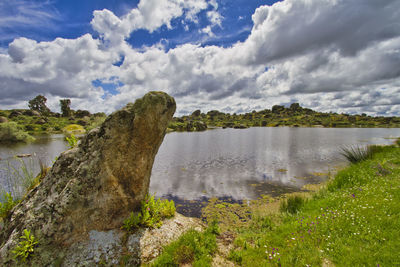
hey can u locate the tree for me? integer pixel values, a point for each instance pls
(65, 107)
(39, 104)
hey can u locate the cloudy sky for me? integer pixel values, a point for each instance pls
(234, 56)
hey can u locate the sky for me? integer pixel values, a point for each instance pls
(230, 55)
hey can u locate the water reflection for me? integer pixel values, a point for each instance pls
(232, 163)
(243, 164)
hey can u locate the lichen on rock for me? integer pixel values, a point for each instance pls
(93, 187)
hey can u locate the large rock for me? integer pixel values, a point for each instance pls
(94, 187)
(3, 119)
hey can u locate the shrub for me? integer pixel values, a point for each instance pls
(26, 246)
(10, 132)
(398, 141)
(292, 204)
(151, 214)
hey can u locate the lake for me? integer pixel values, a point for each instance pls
(234, 164)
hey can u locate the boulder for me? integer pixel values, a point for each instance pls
(30, 112)
(91, 188)
(40, 121)
(3, 119)
(14, 113)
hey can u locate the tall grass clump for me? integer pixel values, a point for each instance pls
(355, 154)
(292, 204)
(398, 141)
(20, 177)
(10, 132)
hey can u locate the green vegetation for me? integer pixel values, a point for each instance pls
(11, 132)
(6, 205)
(354, 221)
(193, 247)
(39, 119)
(151, 214)
(72, 141)
(26, 246)
(293, 116)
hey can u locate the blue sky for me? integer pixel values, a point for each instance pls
(235, 56)
(71, 19)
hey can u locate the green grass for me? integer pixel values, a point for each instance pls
(354, 222)
(193, 247)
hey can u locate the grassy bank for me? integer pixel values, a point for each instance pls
(354, 220)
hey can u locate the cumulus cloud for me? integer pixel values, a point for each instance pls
(330, 55)
(149, 15)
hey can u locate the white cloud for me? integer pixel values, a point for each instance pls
(149, 15)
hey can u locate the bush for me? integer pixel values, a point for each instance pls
(292, 204)
(151, 214)
(10, 132)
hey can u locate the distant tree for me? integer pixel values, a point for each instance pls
(81, 113)
(295, 107)
(39, 104)
(277, 109)
(65, 107)
(196, 113)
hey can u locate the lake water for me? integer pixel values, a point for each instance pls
(233, 164)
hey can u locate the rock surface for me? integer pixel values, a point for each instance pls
(91, 189)
(3, 119)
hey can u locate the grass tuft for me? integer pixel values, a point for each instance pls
(355, 154)
(292, 204)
